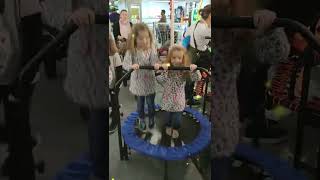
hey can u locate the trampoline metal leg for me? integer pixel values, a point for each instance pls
(120, 142)
(116, 116)
(299, 141)
(125, 149)
(165, 170)
(123, 146)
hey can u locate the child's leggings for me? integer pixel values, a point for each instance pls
(174, 120)
(151, 108)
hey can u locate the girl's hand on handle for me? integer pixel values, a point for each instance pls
(165, 66)
(193, 67)
(263, 20)
(83, 16)
(135, 66)
(157, 66)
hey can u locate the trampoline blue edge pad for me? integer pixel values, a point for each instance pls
(168, 153)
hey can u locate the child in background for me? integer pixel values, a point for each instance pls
(140, 52)
(114, 60)
(174, 82)
(115, 71)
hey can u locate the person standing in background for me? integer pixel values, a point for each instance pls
(198, 49)
(121, 31)
(163, 18)
(122, 28)
(163, 28)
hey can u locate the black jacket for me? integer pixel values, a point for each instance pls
(116, 29)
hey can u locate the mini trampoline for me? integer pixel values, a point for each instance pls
(129, 139)
(168, 153)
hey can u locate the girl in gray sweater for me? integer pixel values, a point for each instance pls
(142, 82)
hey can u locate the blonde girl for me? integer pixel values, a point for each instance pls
(142, 82)
(174, 94)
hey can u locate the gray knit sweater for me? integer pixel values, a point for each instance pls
(142, 82)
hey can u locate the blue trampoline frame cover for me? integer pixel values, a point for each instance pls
(202, 140)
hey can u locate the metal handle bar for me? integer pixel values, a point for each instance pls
(118, 83)
(169, 68)
(247, 22)
(174, 68)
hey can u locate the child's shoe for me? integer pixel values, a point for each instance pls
(156, 137)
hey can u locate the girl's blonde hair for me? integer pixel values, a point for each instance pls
(185, 60)
(132, 40)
